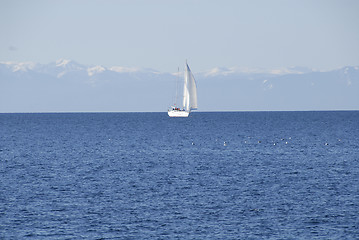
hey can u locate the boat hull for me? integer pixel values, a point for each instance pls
(176, 113)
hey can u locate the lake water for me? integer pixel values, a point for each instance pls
(228, 175)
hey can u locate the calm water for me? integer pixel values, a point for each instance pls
(280, 175)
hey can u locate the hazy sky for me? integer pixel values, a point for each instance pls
(161, 34)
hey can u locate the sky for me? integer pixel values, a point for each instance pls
(162, 34)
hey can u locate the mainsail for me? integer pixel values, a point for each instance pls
(189, 91)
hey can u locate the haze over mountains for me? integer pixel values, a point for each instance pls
(67, 86)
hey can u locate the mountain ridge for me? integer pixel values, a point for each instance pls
(73, 65)
(65, 85)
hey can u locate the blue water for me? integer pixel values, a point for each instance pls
(280, 175)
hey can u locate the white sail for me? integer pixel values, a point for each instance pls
(189, 91)
(185, 103)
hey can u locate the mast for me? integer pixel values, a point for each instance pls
(177, 80)
(185, 89)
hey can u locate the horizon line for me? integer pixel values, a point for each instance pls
(210, 111)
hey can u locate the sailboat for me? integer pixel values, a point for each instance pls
(189, 96)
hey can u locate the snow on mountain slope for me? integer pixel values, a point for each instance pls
(96, 69)
(21, 66)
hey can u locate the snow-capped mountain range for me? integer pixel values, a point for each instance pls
(66, 85)
(63, 66)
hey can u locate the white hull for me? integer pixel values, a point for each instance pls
(176, 113)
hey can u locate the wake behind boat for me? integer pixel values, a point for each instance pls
(189, 96)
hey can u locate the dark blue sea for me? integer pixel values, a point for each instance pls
(220, 175)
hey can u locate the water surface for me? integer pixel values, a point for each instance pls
(235, 175)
